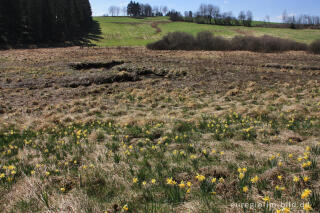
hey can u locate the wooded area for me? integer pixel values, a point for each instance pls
(43, 21)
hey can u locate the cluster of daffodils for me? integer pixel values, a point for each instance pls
(9, 150)
(306, 163)
(291, 122)
(80, 135)
(144, 183)
(176, 147)
(242, 172)
(181, 185)
(8, 173)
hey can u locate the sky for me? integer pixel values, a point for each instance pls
(260, 8)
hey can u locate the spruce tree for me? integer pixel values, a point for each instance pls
(43, 21)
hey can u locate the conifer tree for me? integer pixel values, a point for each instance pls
(43, 21)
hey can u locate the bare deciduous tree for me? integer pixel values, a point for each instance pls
(156, 10)
(124, 11)
(267, 18)
(211, 10)
(114, 10)
(284, 16)
(216, 14)
(203, 10)
(164, 10)
(117, 11)
(249, 18)
(242, 17)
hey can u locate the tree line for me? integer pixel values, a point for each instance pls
(43, 21)
(211, 14)
(206, 14)
(136, 9)
(299, 21)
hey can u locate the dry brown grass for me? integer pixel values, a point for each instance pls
(195, 84)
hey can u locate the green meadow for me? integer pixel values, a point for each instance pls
(126, 31)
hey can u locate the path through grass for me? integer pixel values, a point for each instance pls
(126, 31)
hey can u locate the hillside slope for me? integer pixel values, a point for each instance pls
(125, 31)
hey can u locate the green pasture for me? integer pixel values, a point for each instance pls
(126, 31)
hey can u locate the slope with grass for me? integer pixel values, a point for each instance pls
(126, 31)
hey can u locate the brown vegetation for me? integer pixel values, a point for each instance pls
(163, 113)
(207, 41)
(315, 47)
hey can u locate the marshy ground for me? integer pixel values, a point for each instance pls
(129, 129)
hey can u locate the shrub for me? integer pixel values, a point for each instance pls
(274, 44)
(265, 44)
(315, 47)
(240, 43)
(174, 41)
(200, 20)
(207, 41)
(175, 16)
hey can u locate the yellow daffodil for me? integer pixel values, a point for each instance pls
(192, 157)
(245, 189)
(125, 207)
(255, 179)
(135, 180)
(306, 193)
(241, 176)
(182, 185)
(11, 167)
(272, 157)
(266, 199)
(307, 207)
(286, 210)
(221, 180)
(170, 181)
(200, 178)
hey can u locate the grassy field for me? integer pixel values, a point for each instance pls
(133, 130)
(125, 31)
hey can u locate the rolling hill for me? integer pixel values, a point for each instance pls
(126, 31)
